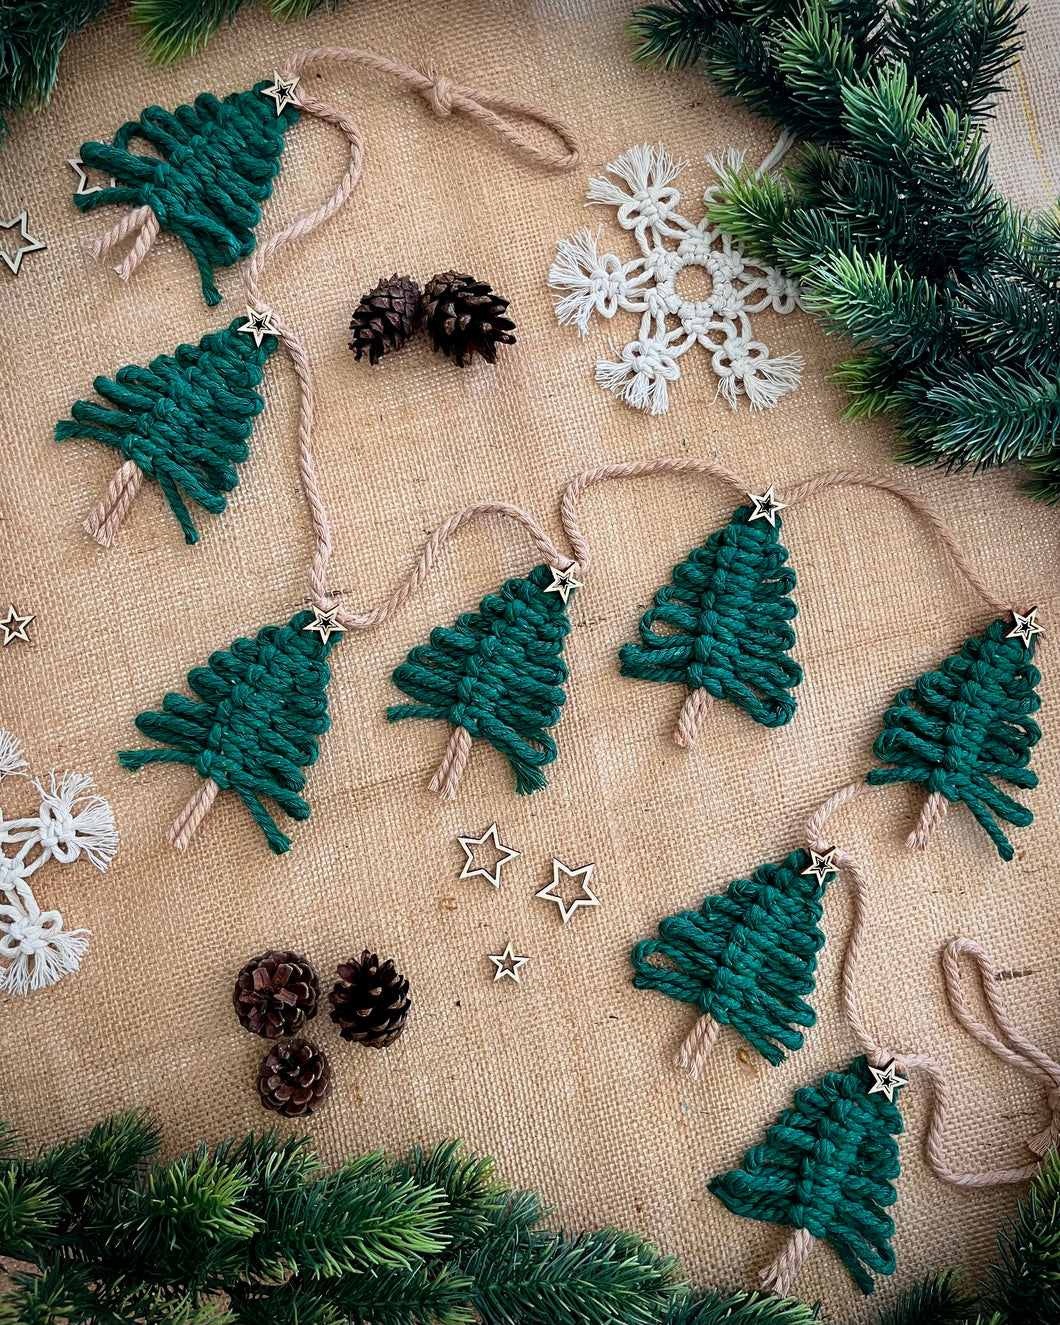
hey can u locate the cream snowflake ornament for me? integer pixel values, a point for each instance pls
(670, 323)
(72, 820)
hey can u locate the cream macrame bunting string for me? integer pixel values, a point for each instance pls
(71, 820)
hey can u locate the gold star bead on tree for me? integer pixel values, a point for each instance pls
(283, 91)
(820, 865)
(324, 623)
(14, 626)
(886, 1080)
(583, 873)
(766, 506)
(1025, 627)
(505, 854)
(28, 244)
(563, 583)
(259, 324)
(507, 964)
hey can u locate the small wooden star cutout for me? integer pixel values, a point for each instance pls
(83, 185)
(259, 324)
(1026, 627)
(563, 583)
(886, 1081)
(507, 963)
(766, 506)
(583, 873)
(14, 626)
(282, 92)
(28, 245)
(491, 876)
(821, 866)
(324, 624)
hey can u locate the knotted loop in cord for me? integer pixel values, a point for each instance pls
(444, 96)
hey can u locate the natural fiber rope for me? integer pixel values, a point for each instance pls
(780, 1274)
(105, 520)
(1010, 1044)
(695, 1048)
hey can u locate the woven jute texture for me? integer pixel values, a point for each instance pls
(565, 1079)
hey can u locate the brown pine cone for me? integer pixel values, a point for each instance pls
(276, 994)
(370, 1002)
(386, 317)
(294, 1079)
(465, 317)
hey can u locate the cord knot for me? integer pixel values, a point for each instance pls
(439, 94)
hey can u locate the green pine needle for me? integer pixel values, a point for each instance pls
(32, 36)
(674, 35)
(1024, 1283)
(936, 1301)
(176, 28)
(709, 1308)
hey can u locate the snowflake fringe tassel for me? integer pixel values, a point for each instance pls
(588, 282)
(72, 820)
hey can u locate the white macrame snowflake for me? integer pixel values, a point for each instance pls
(670, 324)
(71, 820)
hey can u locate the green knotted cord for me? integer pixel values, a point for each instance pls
(746, 957)
(184, 418)
(827, 1165)
(263, 704)
(726, 615)
(967, 724)
(497, 673)
(218, 161)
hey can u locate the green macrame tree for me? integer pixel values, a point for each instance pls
(887, 215)
(218, 161)
(726, 635)
(965, 727)
(745, 959)
(496, 675)
(827, 1166)
(262, 705)
(183, 420)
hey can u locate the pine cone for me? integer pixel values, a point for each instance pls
(294, 1079)
(386, 317)
(370, 1003)
(465, 317)
(276, 994)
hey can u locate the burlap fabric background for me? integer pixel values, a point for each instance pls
(565, 1079)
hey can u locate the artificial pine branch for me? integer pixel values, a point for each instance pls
(936, 1301)
(1024, 1284)
(32, 36)
(175, 28)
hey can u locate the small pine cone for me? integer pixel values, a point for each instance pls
(465, 317)
(370, 1002)
(386, 317)
(294, 1079)
(276, 994)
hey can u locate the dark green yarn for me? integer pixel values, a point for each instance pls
(968, 724)
(263, 704)
(726, 612)
(218, 161)
(827, 1165)
(185, 418)
(745, 957)
(498, 673)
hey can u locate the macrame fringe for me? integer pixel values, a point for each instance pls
(646, 168)
(36, 949)
(639, 378)
(74, 819)
(447, 777)
(764, 381)
(577, 258)
(696, 1047)
(694, 713)
(12, 762)
(106, 519)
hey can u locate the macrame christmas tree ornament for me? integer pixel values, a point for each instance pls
(215, 164)
(262, 705)
(725, 635)
(71, 820)
(370, 1001)
(495, 675)
(386, 317)
(464, 317)
(745, 959)
(826, 1169)
(965, 727)
(184, 420)
(294, 1079)
(276, 994)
